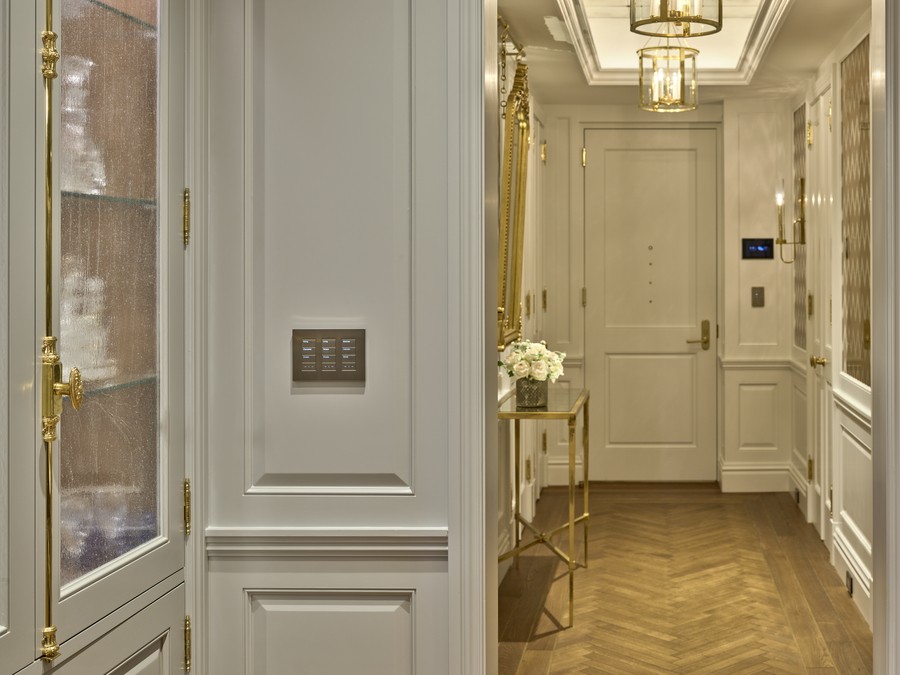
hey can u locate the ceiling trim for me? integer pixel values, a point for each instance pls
(765, 28)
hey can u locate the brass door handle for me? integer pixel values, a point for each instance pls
(704, 336)
(74, 388)
(817, 361)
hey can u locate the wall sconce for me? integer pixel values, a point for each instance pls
(798, 224)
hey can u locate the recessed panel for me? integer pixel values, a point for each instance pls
(799, 407)
(651, 399)
(330, 632)
(650, 213)
(758, 412)
(330, 245)
(856, 484)
(149, 661)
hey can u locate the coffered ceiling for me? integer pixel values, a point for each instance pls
(582, 51)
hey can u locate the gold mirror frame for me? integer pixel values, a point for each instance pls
(512, 210)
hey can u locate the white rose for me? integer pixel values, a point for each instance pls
(521, 369)
(539, 370)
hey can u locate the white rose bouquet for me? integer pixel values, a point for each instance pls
(533, 361)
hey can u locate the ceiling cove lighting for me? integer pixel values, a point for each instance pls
(668, 78)
(676, 18)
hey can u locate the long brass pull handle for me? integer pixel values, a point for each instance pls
(704, 336)
(817, 361)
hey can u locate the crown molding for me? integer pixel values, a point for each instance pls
(765, 28)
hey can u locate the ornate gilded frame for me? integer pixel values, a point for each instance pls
(514, 174)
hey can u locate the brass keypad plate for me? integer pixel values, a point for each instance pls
(329, 355)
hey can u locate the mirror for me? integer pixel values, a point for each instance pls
(513, 176)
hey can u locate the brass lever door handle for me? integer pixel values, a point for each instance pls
(704, 336)
(817, 361)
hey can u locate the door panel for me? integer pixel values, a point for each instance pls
(650, 270)
(819, 383)
(119, 303)
(149, 643)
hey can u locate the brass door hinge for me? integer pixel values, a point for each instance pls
(544, 441)
(187, 507)
(544, 299)
(810, 304)
(187, 644)
(528, 305)
(831, 499)
(584, 157)
(809, 469)
(583, 296)
(528, 470)
(829, 116)
(809, 134)
(544, 152)
(187, 217)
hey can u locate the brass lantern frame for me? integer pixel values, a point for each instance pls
(672, 21)
(688, 80)
(513, 179)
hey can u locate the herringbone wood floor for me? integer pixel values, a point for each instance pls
(683, 579)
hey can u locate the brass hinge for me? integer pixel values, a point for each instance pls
(187, 217)
(829, 115)
(809, 304)
(187, 507)
(528, 470)
(583, 296)
(809, 469)
(528, 305)
(584, 157)
(717, 331)
(544, 441)
(809, 134)
(544, 152)
(187, 644)
(831, 499)
(544, 299)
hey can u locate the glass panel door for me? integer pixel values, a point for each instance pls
(118, 302)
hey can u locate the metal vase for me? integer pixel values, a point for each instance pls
(531, 393)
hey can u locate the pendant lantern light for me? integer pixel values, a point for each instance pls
(668, 78)
(676, 18)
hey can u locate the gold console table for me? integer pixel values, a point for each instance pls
(562, 404)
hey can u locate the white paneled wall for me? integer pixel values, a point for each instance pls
(756, 349)
(336, 172)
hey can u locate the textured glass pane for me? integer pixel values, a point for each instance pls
(108, 294)
(4, 314)
(855, 190)
(800, 251)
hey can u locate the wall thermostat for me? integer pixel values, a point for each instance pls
(757, 249)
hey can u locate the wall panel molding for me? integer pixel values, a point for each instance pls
(328, 543)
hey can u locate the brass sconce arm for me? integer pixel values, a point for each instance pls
(798, 224)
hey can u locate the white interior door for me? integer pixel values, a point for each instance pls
(819, 383)
(650, 273)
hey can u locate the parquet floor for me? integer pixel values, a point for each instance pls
(683, 579)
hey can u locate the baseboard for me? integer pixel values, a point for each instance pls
(753, 477)
(847, 562)
(558, 471)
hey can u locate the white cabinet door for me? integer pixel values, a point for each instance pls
(149, 643)
(92, 243)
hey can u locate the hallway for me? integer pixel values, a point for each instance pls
(683, 579)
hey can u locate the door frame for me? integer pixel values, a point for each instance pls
(472, 483)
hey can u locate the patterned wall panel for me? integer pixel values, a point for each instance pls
(800, 262)
(856, 227)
